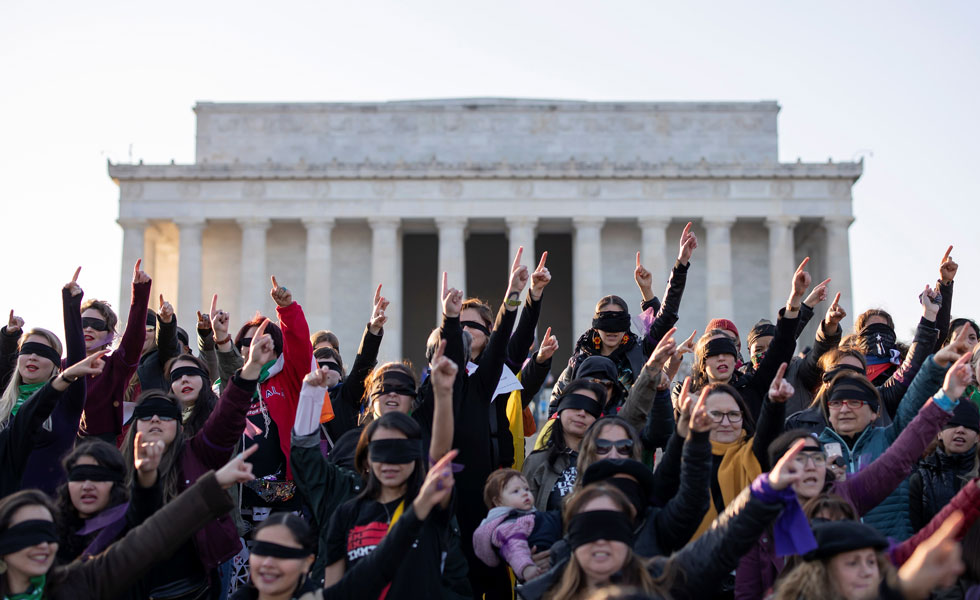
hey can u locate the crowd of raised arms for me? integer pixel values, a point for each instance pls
(257, 464)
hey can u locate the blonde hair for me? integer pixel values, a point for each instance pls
(12, 392)
(811, 580)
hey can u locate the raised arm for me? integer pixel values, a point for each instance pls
(352, 390)
(71, 302)
(127, 355)
(947, 272)
(492, 362)
(773, 417)
(828, 337)
(926, 336)
(967, 502)
(166, 333)
(443, 376)
(523, 338)
(668, 314)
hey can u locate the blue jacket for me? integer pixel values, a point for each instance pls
(891, 517)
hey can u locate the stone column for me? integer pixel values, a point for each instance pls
(720, 299)
(452, 257)
(385, 248)
(838, 253)
(653, 251)
(782, 260)
(520, 232)
(318, 271)
(253, 282)
(133, 240)
(586, 270)
(189, 269)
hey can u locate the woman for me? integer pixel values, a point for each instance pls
(39, 359)
(608, 437)
(95, 506)
(391, 455)
(599, 525)
(551, 472)
(285, 546)
(850, 563)
(29, 541)
(610, 334)
(157, 419)
(190, 384)
(862, 491)
(103, 414)
(15, 438)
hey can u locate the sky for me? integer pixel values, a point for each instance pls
(893, 82)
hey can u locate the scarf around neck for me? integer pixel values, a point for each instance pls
(25, 391)
(738, 468)
(35, 592)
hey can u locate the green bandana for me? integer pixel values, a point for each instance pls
(263, 375)
(35, 592)
(756, 359)
(973, 393)
(23, 393)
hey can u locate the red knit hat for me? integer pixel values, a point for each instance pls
(723, 324)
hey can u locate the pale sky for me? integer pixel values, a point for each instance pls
(894, 82)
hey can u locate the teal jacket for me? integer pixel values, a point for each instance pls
(891, 517)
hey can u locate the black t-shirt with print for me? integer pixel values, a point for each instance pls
(565, 483)
(358, 526)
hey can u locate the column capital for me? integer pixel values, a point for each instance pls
(254, 222)
(313, 222)
(718, 220)
(653, 222)
(451, 222)
(189, 222)
(782, 221)
(131, 222)
(521, 221)
(384, 222)
(839, 220)
(588, 221)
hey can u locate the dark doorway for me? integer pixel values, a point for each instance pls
(420, 259)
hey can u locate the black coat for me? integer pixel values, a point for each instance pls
(935, 481)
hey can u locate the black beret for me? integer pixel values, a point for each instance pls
(837, 537)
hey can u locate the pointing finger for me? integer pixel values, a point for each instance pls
(248, 451)
(74, 277)
(687, 230)
(637, 260)
(803, 264)
(836, 303)
(946, 256)
(547, 335)
(686, 388)
(517, 259)
(275, 284)
(260, 330)
(377, 294)
(702, 400)
(445, 283)
(161, 300)
(544, 258)
(824, 282)
(214, 304)
(779, 374)
(690, 338)
(136, 267)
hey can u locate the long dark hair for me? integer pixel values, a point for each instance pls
(398, 422)
(105, 455)
(272, 329)
(556, 445)
(10, 505)
(699, 374)
(206, 399)
(296, 525)
(169, 470)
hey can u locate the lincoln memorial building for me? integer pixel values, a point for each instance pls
(334, 198)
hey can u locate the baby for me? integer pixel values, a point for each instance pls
(512, 526)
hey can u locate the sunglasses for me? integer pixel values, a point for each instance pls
(93, 323)
(623, 447)
(165, 419)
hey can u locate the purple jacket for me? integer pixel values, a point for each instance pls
(103, 415)
(505, 529)
(210, 449)
(758, 569)
(57, 436)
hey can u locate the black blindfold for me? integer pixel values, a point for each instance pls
(42, 350)
(278, 551)
(26, 534)
(613, 321)
(395, 452)
(593, 525)
(581, 401)
(94, 473)
(720, 345)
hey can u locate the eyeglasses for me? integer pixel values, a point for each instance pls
(734, 416)
(852, 404)
(604, 447)
(93, 323)
(165, 419)
(817, 456)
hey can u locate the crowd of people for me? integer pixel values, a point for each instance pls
(136, 465)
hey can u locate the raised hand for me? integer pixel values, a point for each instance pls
(72, 286)
(147, 455)
(958, 377)
(643, 279)
(947, 268)
(236, 470)
(519, 277)
(931, 302)
(835, 314)
(203, 321)
(936, 562)
(787, 471)
(282, 296)
(547, 349)
(261, 351)
(219, 320)
(90, 365)
(443, 369)
(540, 278)
(687, 346)
(166, 312)
(452, 299)
(780, 390)
(684, 407)
(378, 318)
(700, 420)
(957, 347)
(437, 487)
(14, 324)
(688, 243)
(801, 283)
(818, 294)
(665, 349)
(138, 275)
(317, 377)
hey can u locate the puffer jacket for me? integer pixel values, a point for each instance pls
(891, 516)
(935, 481)
(700, 566)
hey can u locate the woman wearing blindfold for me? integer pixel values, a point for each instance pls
(190, 383)
(158, 419)
(599, 525)
(29, 541)
(284, 547)
(610, 334)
